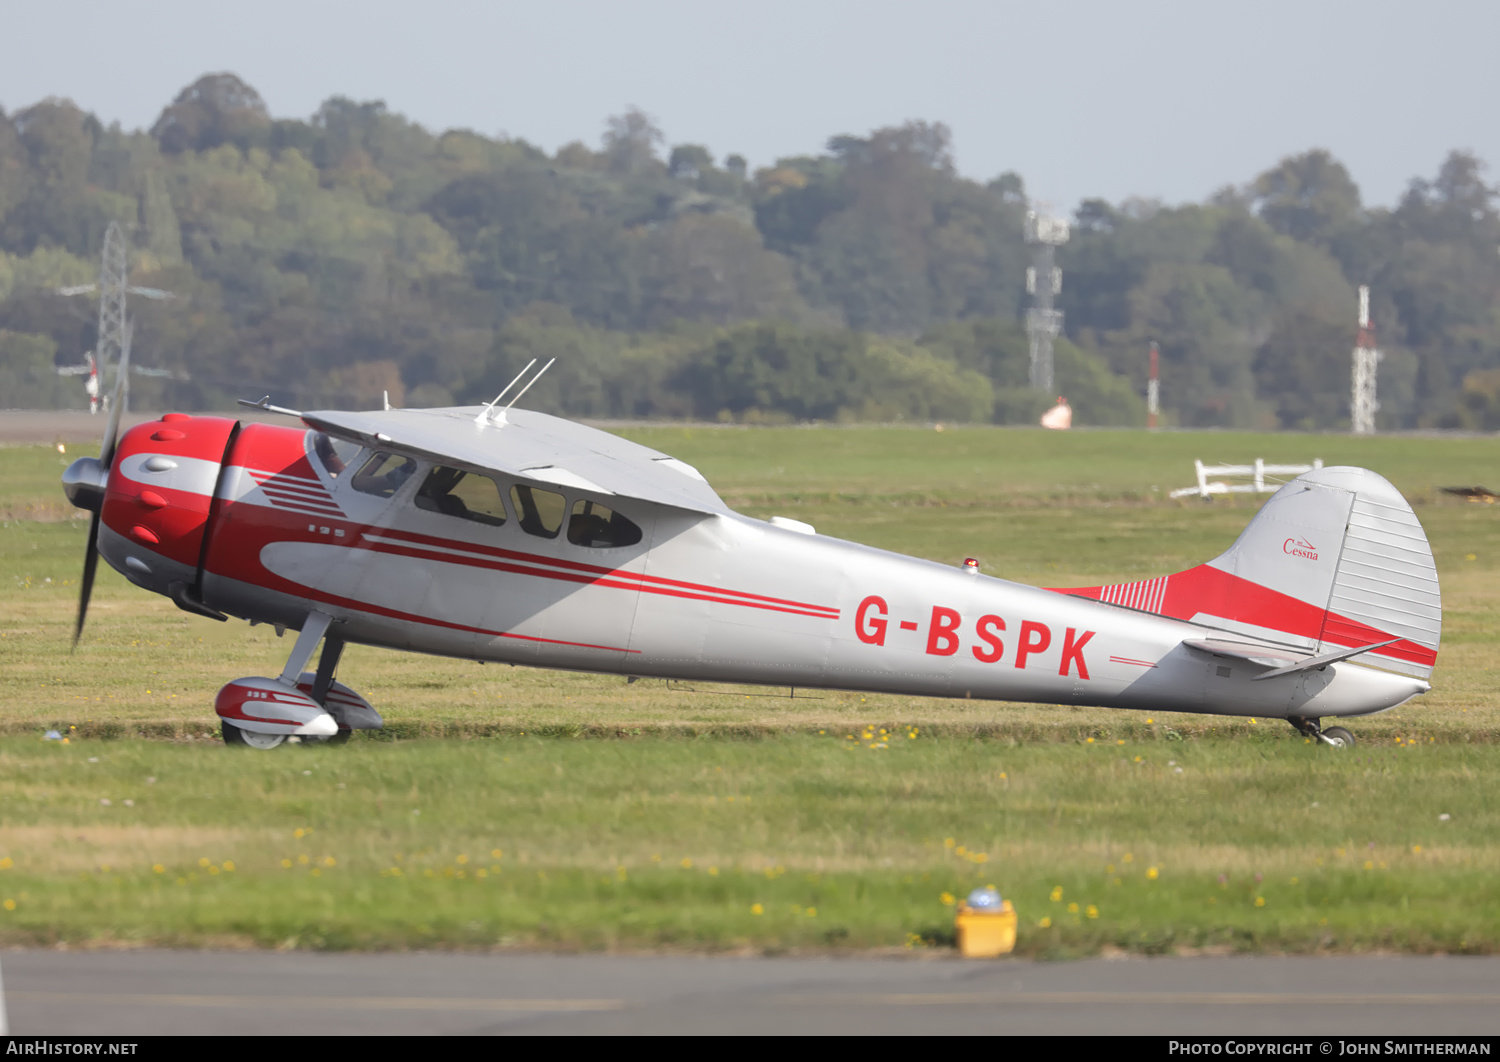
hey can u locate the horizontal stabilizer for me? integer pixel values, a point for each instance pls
(1264, 655)
(1312, 663)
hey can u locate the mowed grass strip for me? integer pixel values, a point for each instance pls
(855, 839)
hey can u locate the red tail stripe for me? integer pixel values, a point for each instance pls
(1206, 589)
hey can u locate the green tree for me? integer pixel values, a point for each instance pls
(27, 377)
(216, 109)
(711, 268)
(1309, 197)
(631, 141)
(775, 368)
(56, 142)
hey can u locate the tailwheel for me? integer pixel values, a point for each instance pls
(237, 736)
(1334, 736)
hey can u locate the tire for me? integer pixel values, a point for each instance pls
(1339, 737)
(235, 737)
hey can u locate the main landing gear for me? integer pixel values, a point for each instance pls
(297, 706)
(1336, 736)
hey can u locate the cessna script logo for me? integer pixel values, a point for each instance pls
(1300, 547)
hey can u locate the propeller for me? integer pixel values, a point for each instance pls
(86, 478)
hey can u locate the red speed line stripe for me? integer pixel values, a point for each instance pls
(738, 597)
(293, 493)
(289, 483)
(717, 593)
(266, 719)
(716, 597)
(239, 567)
(574, 571)
(288, 498)
(297, 495)
(391, 613)
(240, 713)
(1127, 660)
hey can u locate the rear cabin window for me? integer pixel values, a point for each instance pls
(540, 512)
(469, 496)
(383, 474)
(600, 527)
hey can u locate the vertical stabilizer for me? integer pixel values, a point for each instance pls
(1334, 560)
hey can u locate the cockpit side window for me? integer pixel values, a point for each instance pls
(335, 455)
(599, 527)
(540, 512)
(467, 495)
(383, 474)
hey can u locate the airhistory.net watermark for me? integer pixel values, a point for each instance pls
(66, 1047)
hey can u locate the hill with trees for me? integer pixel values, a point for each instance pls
(327, 260)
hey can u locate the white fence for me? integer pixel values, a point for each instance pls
(1256, 473)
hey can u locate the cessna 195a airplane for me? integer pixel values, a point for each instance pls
(501, 534)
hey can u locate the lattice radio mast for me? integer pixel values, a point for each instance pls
(1362, 405)
(1043, 280)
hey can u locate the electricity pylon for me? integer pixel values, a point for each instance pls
(112, 286)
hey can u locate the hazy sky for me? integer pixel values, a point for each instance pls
(1156, 98)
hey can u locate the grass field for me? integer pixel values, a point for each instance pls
(738, 818)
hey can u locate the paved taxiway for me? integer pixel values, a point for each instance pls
(158, 992)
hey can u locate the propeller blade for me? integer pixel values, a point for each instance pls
(106, 455)
(121, 400)
(90, 565)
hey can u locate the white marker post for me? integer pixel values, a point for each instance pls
(1153, 392)
(1362, 404)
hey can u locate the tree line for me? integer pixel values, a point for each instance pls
(327, 260)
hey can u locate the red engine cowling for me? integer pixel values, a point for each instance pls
(160, 493)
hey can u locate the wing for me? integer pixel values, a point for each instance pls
(527, 445)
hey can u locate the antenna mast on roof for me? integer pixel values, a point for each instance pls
(485, 412)
(529, 382)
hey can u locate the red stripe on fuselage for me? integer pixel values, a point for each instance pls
(249, 527)
(648, 581)
(392, 613)
(617, 579)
